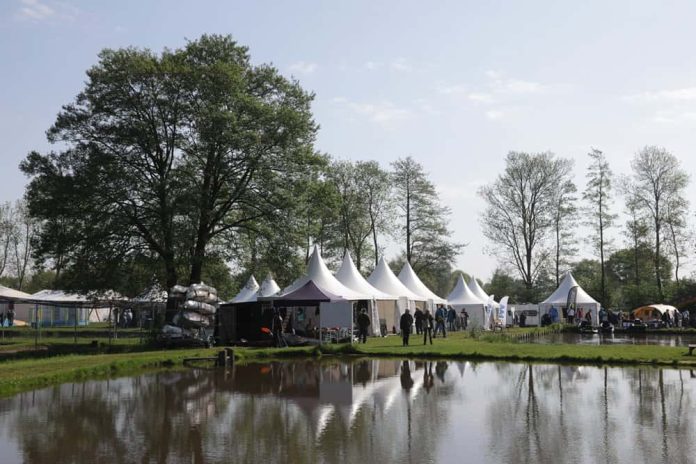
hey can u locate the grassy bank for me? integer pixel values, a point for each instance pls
(26, 374)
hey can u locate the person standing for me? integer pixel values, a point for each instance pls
(405, 324)
(277, 329)
(451, 318)
(418, 316)
(363, 324)
(465, 318)
(571, 314)
(427, 327)
(440, 321)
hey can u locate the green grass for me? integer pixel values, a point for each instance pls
(18, 375)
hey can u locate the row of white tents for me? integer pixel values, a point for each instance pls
(383, 294)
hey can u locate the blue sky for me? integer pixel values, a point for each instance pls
(454, 84)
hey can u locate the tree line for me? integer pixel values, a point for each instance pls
(534, 212)
(195, 164)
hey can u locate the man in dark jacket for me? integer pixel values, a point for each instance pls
(428, 322)
(363, 324)
(405, 323)
(418, 316)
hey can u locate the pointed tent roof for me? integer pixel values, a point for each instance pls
(318, 273)
(462, 294)
(477, 290)
(308, 294)
(12, 294)
(383, 279)
(560, 295)
(269, 287)
(349, 276)
(408, 277)
(248, 293)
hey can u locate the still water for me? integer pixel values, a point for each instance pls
(619, 338)
(371, 411)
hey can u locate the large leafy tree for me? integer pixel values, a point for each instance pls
(167, 157)
(522, 206)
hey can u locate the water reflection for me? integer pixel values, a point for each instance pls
(368, 411)
(622, 338)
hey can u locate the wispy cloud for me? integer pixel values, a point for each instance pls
(398, 65)
(303, 67)
(666, 95)
(382, 112)
(498, 92)
(45, 11)
(675, 117)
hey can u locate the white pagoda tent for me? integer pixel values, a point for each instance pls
(248, 293)
(336, 304)
(269, 288)
(11, 298)
(559, 299)
(408, 277)
(462, 297)
(383, 279)
(349, 276)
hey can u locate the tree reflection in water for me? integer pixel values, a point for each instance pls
(369, 411)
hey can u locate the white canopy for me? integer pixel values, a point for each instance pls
(12, 294)
(58, 297)
(269, 288)
(382, 278)
(462, 294)
(560, 296)
(408, 277)
(477, 290)
(349, 276)
(319, 274)
(248, 293)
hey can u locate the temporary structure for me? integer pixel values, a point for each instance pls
(60, 308)
(337, 312)
(408, 277)
(248, 292)
(653, 311)
(246, 314)
(477, 290)
(559, 299)
(383, 279)
(349, 276)
(463, 298)
(17, 301)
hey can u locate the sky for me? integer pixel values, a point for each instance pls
(454, 84)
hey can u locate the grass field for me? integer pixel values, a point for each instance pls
(130, 357)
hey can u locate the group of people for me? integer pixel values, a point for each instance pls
(7, 318)
(430, 326)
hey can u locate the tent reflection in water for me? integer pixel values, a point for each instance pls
(653, 312)
(559, 299)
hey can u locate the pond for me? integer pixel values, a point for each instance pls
(384, 411)
(618, 338)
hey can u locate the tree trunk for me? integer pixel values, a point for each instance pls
(658, 277)
(601, 251)
(675, 245)
(408, 223)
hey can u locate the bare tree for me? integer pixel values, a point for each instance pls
(6, 229)
(522, 204)
(658, 181)
(565, 246)
(24, 230)
(375, 189)
(598, 196)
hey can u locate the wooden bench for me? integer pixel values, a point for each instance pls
(691, 349)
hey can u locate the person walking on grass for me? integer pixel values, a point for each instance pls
(451, 318)
(428, 327)
(363, 324)
(405, 324)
